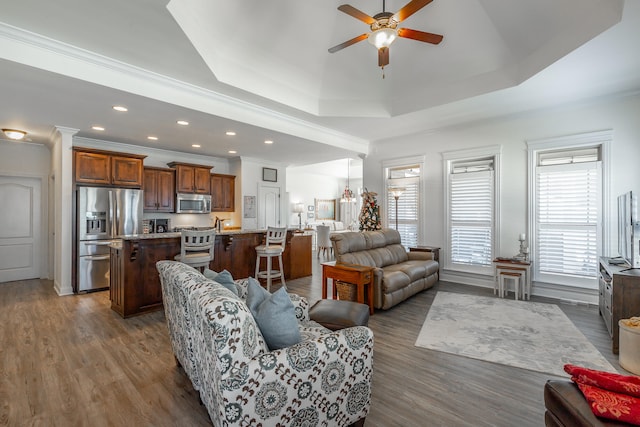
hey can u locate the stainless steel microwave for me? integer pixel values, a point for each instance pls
(193, 203)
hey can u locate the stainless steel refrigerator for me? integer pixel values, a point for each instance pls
(103, 215)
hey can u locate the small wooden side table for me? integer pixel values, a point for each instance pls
(434, 249)
(359, 275)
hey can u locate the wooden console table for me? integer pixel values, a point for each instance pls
(359, 275)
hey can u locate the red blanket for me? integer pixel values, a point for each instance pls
(611, 396)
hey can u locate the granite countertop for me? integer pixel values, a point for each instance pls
(177, 234)
(116, 244)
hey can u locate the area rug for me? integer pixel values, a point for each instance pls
(524, 334)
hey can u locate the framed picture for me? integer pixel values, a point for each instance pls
(270, 175)
(310, 215)
(249, 206)
(311, 208)
(326, 209)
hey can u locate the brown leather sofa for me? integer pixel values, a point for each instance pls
(398, 274)
(567, 407)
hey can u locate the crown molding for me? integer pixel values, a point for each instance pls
(32, 49)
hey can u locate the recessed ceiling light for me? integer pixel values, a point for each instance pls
(14, 134)
(183, 122)
(230, 133)
(100, 128)
(153, 138)
(120, 108)
(232, 151)
(268, 141)
(195, 145)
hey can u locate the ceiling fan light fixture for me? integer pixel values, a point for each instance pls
(14, 134)
(382, 37)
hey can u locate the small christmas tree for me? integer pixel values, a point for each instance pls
(370, 212)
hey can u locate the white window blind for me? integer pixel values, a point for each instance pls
(568, 201)
(471, 210)
(407, 178)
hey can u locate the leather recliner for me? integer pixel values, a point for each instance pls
(567, 407)
(398, 274)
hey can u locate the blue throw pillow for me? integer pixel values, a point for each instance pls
(226, 280)
(210, 274)
(274, 314)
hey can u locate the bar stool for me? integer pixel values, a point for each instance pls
(273, 247)
(196, 248)
(508, 275)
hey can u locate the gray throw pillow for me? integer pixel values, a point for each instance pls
(226, 280)
(210, 274)
(274, 314)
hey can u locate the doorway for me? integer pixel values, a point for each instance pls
(20, 228)
(268, 206)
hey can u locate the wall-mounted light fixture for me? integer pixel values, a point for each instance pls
(14, 134)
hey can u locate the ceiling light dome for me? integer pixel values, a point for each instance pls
(14, 134)
(382, 37)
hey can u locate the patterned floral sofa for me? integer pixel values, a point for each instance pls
(325, 380)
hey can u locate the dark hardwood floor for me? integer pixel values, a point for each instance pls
(72, 361)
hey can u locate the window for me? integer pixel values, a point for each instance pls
(471, 206)
(403, 185)
(566, 208)
(567, 220)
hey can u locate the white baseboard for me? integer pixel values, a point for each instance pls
(568, 294)
(62, 290)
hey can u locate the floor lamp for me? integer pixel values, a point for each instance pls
(396, 192)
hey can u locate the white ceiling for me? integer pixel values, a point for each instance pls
(262, 69)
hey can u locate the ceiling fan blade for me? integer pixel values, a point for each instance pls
(348, 43)
(383, 56)
(358, 14)
(419, 35)
(409, 9)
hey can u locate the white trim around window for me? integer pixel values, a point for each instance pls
(474, 161)
(397, 163)
(600, 139)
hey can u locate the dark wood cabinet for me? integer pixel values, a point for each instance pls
(92, 168)
(297, 256)
(222, 193)
(134, 283)
(619, 296)
(98, 167)
(192, 178)
(159, 189)
(236, 253)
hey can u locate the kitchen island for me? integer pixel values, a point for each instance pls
(135, 285)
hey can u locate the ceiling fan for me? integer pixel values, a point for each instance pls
(384, 29)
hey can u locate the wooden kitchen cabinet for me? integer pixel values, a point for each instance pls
(223, 193)
(192, 178)
(159, 189)
(236, 253)
(99, 167)
(135, 284)
(297, 256)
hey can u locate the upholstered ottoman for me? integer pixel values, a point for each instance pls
(567, 407)
(338, 314)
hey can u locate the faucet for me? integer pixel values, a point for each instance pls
(218, 224)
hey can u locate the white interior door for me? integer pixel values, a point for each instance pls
(20, 237)
(269, 207)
